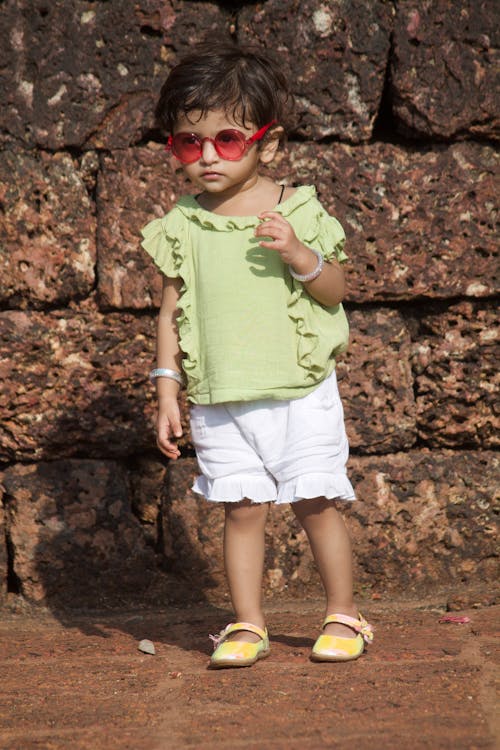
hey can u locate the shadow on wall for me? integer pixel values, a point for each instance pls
(91, 534)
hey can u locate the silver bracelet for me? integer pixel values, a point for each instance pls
(309, 276)
(164, 372)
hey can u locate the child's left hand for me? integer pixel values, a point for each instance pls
(283, 238)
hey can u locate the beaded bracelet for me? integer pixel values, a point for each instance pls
(309, 276)
(163, 372)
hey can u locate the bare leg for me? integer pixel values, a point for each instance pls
(331, 548)
(244, 561)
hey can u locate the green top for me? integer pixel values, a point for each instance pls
(248, 330)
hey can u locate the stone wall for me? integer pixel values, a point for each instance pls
(397, 129)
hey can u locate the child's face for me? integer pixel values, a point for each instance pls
(213, 173)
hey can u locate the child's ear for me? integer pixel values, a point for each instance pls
(271, 144)
(175, 164)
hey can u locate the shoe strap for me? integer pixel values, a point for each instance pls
(233, 627)
(360, 626)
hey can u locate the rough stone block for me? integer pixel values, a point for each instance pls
(376, 383)
(3, 549)
(425, 517)
(192, 529)
(147, 479)
(416, 521)
(94, 72)
(135, 186)
(75, 385)
(419, 222)
(74, 539)
(47, 237)
(334, 55)
(444, 69)
(77, 73)
(457, 382)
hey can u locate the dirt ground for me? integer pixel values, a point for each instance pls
(79, 682)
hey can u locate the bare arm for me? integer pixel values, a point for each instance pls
(169, 355)
(327, 288)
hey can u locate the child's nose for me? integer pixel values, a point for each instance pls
(208, 152)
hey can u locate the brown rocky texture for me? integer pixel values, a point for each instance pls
(72, 528)
(80, 73)
(134, 187)
(334, 55)
(444, 69)
(47, 235)
(3, 554)
(376, 383)
(417, 521)
(72, 533)
(457, 382)
(86, 74)
(420, 222)
(75, 384)
(425, 517)
(192, 530)
(147, 479)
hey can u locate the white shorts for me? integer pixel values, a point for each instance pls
(273, 451)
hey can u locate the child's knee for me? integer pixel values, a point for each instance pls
(246, 512)
(313, 506)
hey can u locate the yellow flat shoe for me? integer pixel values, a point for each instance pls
(239, 653)
(335, 648)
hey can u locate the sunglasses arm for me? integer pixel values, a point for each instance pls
(260, 133)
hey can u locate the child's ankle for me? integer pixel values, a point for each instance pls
(246, 635)
(257, 619)
(336, 608)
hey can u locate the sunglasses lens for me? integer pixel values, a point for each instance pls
(186, 147)
(230, 144)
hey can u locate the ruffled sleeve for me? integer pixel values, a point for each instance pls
(327, 235)
(324, 233)
(164, 241)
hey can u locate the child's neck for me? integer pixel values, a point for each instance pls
(248, 200)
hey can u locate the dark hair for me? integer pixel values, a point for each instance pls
(245, 82)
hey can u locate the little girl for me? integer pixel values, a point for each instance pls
(251, 321)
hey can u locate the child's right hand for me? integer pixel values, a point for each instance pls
(168, 426)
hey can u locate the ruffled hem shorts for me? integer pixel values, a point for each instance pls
(273, 451)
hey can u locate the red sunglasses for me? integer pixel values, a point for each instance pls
(230, 144)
